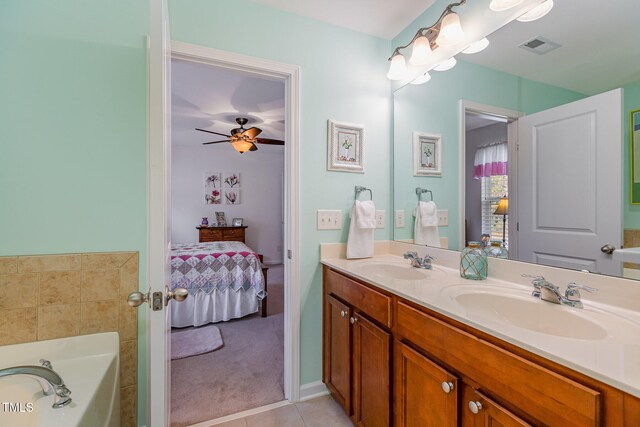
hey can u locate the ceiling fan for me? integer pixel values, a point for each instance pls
(242, 139)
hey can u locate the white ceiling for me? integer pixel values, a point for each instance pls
(598, 49)
(381, 18)
(211, 98)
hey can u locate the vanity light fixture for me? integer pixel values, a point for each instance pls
(501, 5)
(422, 79)
(476, 47)
(446, 65)
(446, 31)
(537, 12)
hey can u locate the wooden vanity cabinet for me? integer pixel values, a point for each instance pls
(356, 354)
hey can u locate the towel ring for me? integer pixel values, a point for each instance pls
(359, 189)
(421, 191)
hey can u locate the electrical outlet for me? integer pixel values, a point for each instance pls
(443, 217)
(399, 219)
(329, 220)
(379, 219)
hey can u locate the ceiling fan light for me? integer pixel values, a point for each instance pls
(398, 68)
(421, 79)
(446, 65)
(501, 5)
(477, 46)
(537, 12)
(422, 54)
(450, 30)
(241, 145)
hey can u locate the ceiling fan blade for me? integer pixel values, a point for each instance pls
(253, 148)
(269, 141)
(215, 142)
(215, 133)
(252, 132)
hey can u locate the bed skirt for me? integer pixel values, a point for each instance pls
(202, 308)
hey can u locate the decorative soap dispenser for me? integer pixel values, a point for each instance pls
(473, 262)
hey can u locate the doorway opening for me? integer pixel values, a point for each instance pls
(234, 234)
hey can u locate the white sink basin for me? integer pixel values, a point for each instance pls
(395, 271)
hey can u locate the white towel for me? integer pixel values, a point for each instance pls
(428, 214)
(426, 235)
(360, 240)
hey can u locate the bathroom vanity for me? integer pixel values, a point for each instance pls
(405, 346)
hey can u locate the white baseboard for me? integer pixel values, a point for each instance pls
(274, 262)
(312, 390)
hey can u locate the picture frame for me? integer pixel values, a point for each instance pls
(237, 222)
(427, 154)
(221, 220)
(634, 147)
(345, 147)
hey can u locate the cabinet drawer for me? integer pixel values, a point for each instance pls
(531, 389)
(210, 235)
(373, 303)
(238, 234)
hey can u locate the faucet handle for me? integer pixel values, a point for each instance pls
(537, 283)
(574, 286)
(410, 254)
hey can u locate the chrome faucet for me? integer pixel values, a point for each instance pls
(418, 262)
(49, 380)
(547, 291)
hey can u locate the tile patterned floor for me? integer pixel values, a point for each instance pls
(319, 412)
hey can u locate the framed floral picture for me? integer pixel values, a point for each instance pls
(345, 147)
(212, 188)
(427, 154)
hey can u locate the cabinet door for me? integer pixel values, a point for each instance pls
(337, 354)
(425, 394)
(371, 379)
(480, 411)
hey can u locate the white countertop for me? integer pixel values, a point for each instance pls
(608, 349)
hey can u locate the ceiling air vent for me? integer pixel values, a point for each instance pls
(539, 45)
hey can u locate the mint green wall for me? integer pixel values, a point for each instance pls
(434, 108)
(73, 143)
(631, 102)
(342, 78)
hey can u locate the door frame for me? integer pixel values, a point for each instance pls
(290, 75)
(512, 117)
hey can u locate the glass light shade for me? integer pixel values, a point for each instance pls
(446, 65)
(398, 68)
(500, 5)
(503, 206)
(422, 54)
(537, 12)
(241, 145)
(450, 30)
(478, 46)
(421, 79)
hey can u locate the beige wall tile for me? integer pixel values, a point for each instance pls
(18, 290)
(32, 264)
(99, 316)
(8, 264)
(18, 325)
(128, 324)
(98, 285)
(103, 261)
(129, 275)
(128, 363)
(57, 321)
(60, 287)
(128, 405)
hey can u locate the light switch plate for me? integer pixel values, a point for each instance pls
(329, 220)
(443, 217)
(399, 219)
(379, 219)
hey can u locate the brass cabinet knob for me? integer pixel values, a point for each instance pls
(475, 407)
(447, 386)
(343, 313)
(353, 320)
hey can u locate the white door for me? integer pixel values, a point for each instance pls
(570, 184)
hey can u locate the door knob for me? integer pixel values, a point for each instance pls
(608, 249)
(178, 295)
(447, 386)
(137, 298)
(475, 407)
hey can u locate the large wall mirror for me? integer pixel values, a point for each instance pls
(528, 142)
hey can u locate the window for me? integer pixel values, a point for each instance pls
(492, 189)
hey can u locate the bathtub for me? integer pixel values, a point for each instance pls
(90, 368)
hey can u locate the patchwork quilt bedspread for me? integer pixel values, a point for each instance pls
(216, 266)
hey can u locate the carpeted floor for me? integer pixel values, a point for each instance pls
(247, 372)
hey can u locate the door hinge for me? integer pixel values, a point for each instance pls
(517, 226)
(289, 254)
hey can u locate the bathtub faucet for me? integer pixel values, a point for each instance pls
(49, 379)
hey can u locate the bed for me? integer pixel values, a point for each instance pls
(225, 281)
